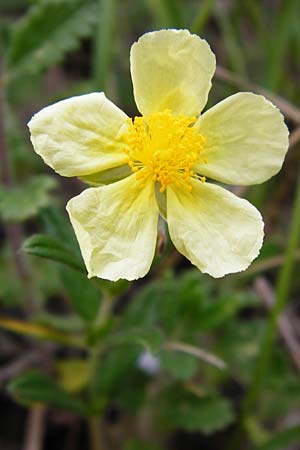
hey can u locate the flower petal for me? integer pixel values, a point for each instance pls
(116, 227)
(217, 231)
(171, 69)
(246, 140)
(79, 136)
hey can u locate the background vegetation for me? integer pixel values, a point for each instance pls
(176, 361)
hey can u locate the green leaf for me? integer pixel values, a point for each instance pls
(182, 409)
(23, 201)
(84, 296)
(180, 365)
(208, 415)
(49, 30)
(47, 246)
(185, 305)
(37, 387)
(57, 223)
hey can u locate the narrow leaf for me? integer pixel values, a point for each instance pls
(40, 332)
(49, 247)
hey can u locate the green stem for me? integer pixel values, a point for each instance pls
(204, 13)
(104, 310)
(282, 294)
(104, 43)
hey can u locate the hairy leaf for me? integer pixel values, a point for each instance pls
(49, 30)
(24, 201)
(208, 413)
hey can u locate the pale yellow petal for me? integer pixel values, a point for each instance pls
(80, 135)
(116, 227)
(246, 140)
(171, 69)
(217, 231)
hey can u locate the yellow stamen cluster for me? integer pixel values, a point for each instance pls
(165, 147)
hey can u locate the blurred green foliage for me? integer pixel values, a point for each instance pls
(23, 201)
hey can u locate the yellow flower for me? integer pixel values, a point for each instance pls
(159, 162)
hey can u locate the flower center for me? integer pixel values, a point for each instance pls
(165, 147)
